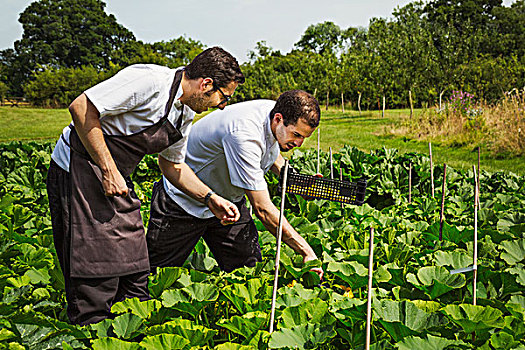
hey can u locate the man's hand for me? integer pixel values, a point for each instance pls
(318, 270)
(114, 184)
(223, 209)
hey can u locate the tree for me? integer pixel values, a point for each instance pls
(179, 51)
(63, 33)
(321, 38)
(70, 33)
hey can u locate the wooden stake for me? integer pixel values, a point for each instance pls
(278, 249)
(431, 170)
(479, 175)
(410, 183)
(411, 103)
(441, 214)
(342, 102)
(315, 92)
(383, 112)
(369, 301)
(341, 179)
(475, 259)
(331, 165)
(318, 146)
(359, 102)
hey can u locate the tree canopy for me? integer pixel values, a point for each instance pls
(426, 49)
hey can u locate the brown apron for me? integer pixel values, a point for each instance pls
(107, 234)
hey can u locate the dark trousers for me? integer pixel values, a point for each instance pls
(172, 234)
(89, 300)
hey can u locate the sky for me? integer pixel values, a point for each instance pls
(236, 25)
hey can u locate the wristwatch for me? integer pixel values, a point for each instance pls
(207, 197)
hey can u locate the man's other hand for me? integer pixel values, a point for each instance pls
(223, 209)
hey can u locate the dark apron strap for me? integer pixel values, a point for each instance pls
(173, 92)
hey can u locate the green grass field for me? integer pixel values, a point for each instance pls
(32, 123)
(337, 129)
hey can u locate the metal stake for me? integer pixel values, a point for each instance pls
(431, 169)
(278, 250)
(442, 203)
(369, 301)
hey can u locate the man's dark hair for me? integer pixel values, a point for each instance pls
(215, 63)
(295, 105)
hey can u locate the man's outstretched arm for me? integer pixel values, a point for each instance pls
(266, 211)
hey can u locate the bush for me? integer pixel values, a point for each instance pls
(57, 87)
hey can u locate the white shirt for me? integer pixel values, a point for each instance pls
(230, 151)
(131, 101)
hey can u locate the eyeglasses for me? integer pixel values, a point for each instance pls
(225, 98)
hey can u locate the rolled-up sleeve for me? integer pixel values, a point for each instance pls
(243, 152)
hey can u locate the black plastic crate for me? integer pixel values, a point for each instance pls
(313, 187)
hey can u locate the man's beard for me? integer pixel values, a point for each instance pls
(197, 103)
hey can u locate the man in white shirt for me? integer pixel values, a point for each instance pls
(230, 151)
(97, 227)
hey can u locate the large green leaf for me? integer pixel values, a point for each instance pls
(198, 335)
(164, 342)
(347, 309)
(246, 325)
(234, 346)
(250, 296)
(310, 311)
(38, 276)
(32, 334)
(173, 296)
(126, 326)
(356, 275)
(190, 299)
(163, 280)
(516, 306)
(473, 318)
(294, 295)
(429, 342)
(142, 309)
(519, 271)
(305, 336)
(202, 292)
(403, 318)
(456, 259)
(513, 251)
(113, 344)
(436, 280)
(503, 341)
